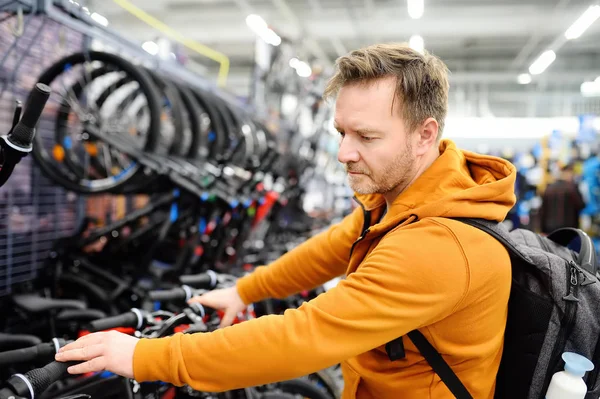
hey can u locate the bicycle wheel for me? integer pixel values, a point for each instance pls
(102, 157)
(81, 109)
(193, 112)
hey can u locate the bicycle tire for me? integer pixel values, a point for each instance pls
(42, 157)
(198, 147)
(61, 135)
(217, 131)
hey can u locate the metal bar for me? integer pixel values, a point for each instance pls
(93, 29)
(9, 243)
(35, 234)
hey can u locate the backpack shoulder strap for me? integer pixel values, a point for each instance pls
(395, 349)
(439, 365)
(494, 229)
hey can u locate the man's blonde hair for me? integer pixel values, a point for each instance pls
(421, 79)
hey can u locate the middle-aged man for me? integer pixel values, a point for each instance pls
(407, 264)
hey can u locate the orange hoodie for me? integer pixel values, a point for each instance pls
(413, 269)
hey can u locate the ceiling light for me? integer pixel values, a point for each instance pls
(417, 43)
(583, 22)
(542, 62)
(302, 68)
(100, 19)
(416, 8)
(150, 47)
(259, 26)
(524, 78)
(590, 89)
(256, 23)
(271, 37)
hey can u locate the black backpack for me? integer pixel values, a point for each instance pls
(554, 307)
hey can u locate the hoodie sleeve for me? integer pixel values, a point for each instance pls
(397, 288)
(314, 262)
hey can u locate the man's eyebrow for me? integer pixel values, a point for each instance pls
(367, 130)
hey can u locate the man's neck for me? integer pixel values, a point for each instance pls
(429, 159)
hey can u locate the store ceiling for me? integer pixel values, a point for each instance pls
(486, 43)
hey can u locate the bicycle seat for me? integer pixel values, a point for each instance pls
(35, 304)
(80, 315)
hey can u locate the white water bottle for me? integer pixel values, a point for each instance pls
(569, 384)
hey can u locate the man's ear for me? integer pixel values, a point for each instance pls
(426, 136)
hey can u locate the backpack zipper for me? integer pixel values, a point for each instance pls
(566, 325)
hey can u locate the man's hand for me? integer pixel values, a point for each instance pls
(226, 299)
(111, 351)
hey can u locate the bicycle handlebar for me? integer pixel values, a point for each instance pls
(206, 280)
(36, 352)
(135, 318)
(17, 340)
(18, 142)
(22, 134)
(34, 382)
(179, 293)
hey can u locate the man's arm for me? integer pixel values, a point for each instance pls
(397, 288)
(310, 264)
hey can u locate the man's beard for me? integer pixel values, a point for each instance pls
(398, 172)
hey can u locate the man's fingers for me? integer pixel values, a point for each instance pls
(91, 366)
(86, 352)
(197, 299)
(205, 299)
(227, 319)
(86, 340)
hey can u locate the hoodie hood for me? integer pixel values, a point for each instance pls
(459, 183)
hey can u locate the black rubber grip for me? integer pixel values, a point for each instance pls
(168, 295)
(80, 315)
(22, 135)
(42, 378)
(129, 319)
(38, 352)
(202, 280)
(9, 341)
(35, 105)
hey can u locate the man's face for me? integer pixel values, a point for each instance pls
(375, 146)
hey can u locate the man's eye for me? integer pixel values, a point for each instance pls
(342, 134)
(368, 138)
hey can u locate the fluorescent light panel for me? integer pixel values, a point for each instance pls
(259, 26)
(543, 62)
(416, 8)
(583, 22)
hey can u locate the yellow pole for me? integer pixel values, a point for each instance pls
(201, 49)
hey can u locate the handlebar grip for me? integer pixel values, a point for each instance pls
(203, 280)
(9, 341)
(42, 378)
(180, 293)
(33, 353)
(133, 318)
(34, 382)
(22, 135)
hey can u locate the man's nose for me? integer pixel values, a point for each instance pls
(347, 152)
